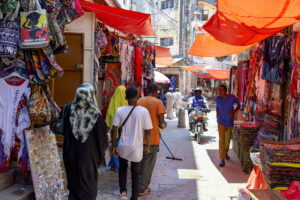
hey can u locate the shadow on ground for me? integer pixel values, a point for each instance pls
(232, 165)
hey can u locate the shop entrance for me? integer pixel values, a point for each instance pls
(63, 89)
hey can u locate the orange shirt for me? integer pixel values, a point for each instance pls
(155, 108)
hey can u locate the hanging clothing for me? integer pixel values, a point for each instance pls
(10, 98)
(111, 82)
(127, 60)
(138, 66)
(117, 100)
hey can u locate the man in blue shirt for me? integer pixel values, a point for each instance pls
(227, 105)
(198, 100)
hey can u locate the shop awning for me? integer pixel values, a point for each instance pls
(204, 72)
(244, 22)
(219, 74)
(120, 19)
(193, 68)
(206, 46)
(160, 78)
(163, 56)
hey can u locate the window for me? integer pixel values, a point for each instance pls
(167, 4)
(205, 14)
(166, 42)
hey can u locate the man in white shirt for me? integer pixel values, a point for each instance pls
(178, 100)
(131, 142)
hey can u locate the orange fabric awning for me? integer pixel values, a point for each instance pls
(244, 22)
(206, 46)
(193, 68)
(163, 56)
(219, 74)
(120, 19)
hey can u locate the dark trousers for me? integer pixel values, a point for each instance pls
(148, 164)
(135, 175)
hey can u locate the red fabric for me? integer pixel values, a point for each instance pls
(123, 20)
(163, 56)
(256, 180)
(233, 33)
(207, 46)
(138, 66)
(244, 22)
(293, 193)
(294, 82)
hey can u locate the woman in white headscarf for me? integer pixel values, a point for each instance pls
(85, 143)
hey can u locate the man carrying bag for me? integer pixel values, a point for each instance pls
(134, 122)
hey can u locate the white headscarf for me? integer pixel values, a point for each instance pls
(84, 112)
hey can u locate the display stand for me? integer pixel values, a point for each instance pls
(45, 165)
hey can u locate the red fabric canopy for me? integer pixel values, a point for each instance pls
(244, 22)
(163, 56)
(206, 46)
(122, 20)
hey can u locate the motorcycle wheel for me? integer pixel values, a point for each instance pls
(199, 133)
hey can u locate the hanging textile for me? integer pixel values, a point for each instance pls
(111, 82)
(47, 173)
(127, 60)
(206, 46)
(138, 65)
(276, 59)
(243, 22)
(122, 20)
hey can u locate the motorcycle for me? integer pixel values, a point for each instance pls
(198, 121)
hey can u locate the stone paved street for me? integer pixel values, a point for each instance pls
(198, 176)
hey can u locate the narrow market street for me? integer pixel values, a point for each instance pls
(198, 176)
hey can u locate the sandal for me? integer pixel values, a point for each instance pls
(146, 192)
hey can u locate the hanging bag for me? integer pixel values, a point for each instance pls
(9, 33)
(34, 28)
(39, 107)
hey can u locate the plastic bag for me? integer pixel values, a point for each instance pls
(293, 192)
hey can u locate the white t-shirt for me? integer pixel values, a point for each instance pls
(132, 138)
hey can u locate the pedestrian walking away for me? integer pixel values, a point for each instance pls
(178, 100)
(134, 124)
(227, 106)
(117, 100)
(85, 143)
(157, 111)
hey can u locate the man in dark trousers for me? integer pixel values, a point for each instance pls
(227, 105)
(157, 111)
(137, 124)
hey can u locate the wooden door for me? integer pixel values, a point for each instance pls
(63, 89)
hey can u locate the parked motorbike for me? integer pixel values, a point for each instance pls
(198, 121)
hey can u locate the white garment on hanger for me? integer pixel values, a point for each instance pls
(10, 97)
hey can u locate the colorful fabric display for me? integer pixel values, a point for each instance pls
(281, 163)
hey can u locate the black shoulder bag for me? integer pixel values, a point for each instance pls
(120, 128)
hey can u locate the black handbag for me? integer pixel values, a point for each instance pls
(58, 126)
(120, 128)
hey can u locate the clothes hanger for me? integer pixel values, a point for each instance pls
(15, 78)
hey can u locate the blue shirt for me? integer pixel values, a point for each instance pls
(199, 102)
(225, 106)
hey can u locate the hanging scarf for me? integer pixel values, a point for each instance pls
(84, 112)
(117, 100)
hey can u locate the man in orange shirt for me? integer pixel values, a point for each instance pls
(157, 110)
